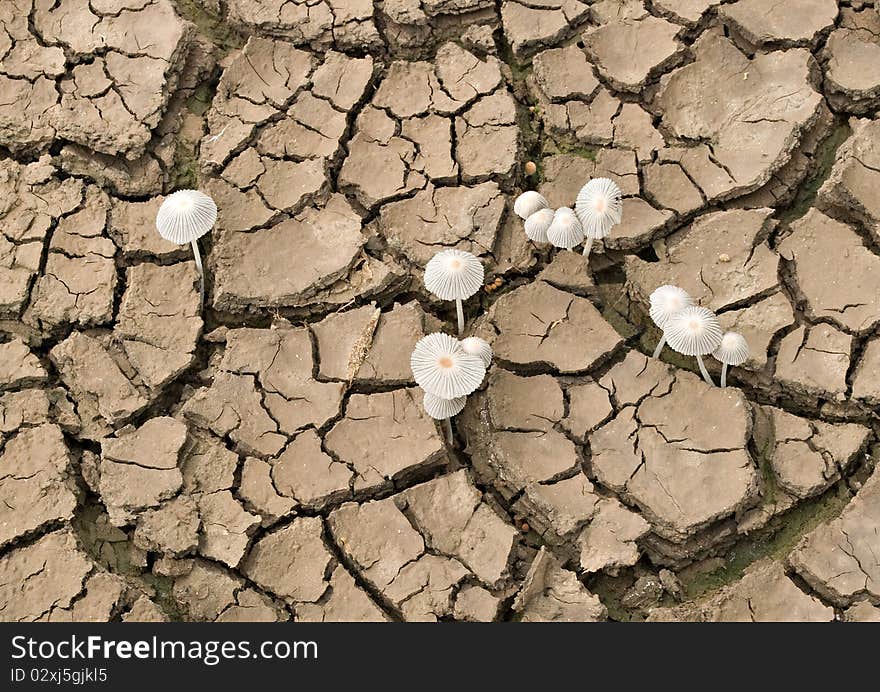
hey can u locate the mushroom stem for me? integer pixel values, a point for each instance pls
(588, 245)
(198, 257)
(660, 345)
(447, 424)
(460, 310)
(724, 375)
(704, 371)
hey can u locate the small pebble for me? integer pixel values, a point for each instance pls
(724, 257)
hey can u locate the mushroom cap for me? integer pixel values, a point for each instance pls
(599, 206)
(439, 408)
(478, 347)
(186, 215)
(453, 275)
(733, 349)
(442, 367)
(528, 203)
(537, 225)
(565, 231)
(666, 301)
(694, 331)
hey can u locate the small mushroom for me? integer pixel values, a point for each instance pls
(442, 367)
(733, 350)
(565, 231)
(537, 225)
(454, 275)
(599, 206)
(443, 409)
(528, 203)
(694, 331)
(184, 217)
(478, 347)
(666, 301)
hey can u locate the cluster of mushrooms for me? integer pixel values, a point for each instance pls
(448, 369)
(598, 208)
(693, 330)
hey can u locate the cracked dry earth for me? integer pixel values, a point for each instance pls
(269, 459)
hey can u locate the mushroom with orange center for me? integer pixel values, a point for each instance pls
(666, 301)
(599, 206)
(454, 275)
(446, 371)
(536, 225)
(184, 217)
(733, 350)
(694, 331)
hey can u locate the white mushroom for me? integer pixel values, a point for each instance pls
(537, 225)
(478, 347)
(442, 367)
(733, 350)
(694, 331)
(443, 409)
(528, 203)
(667, 301)
(599, 206)
(454, 275)
(565, 231)
(184, 217)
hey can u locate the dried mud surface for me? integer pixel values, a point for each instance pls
(269, 459)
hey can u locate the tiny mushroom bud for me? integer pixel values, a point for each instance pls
(599, 207)
(667, 301)
(478, 347)
(531, 168)
(454, 275)
(537, 225)
(442, 367)
(528, 203)
(733, 350)
(565, 231)
(694, 331)
(184, 217)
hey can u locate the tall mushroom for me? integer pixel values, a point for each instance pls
(733, 350)
(184, 217)
(694, 331)
(599, 206)
(454, 275)
(666, 301)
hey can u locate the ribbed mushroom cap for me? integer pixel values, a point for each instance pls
(565, 231)
(528, 203)
(733, 349)
(537, 225)
(694, 331)
(666, 301)
(478, 347)
(439, 408)
(599, 206)
(186, 215)
(442, 367)
(453, 275)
